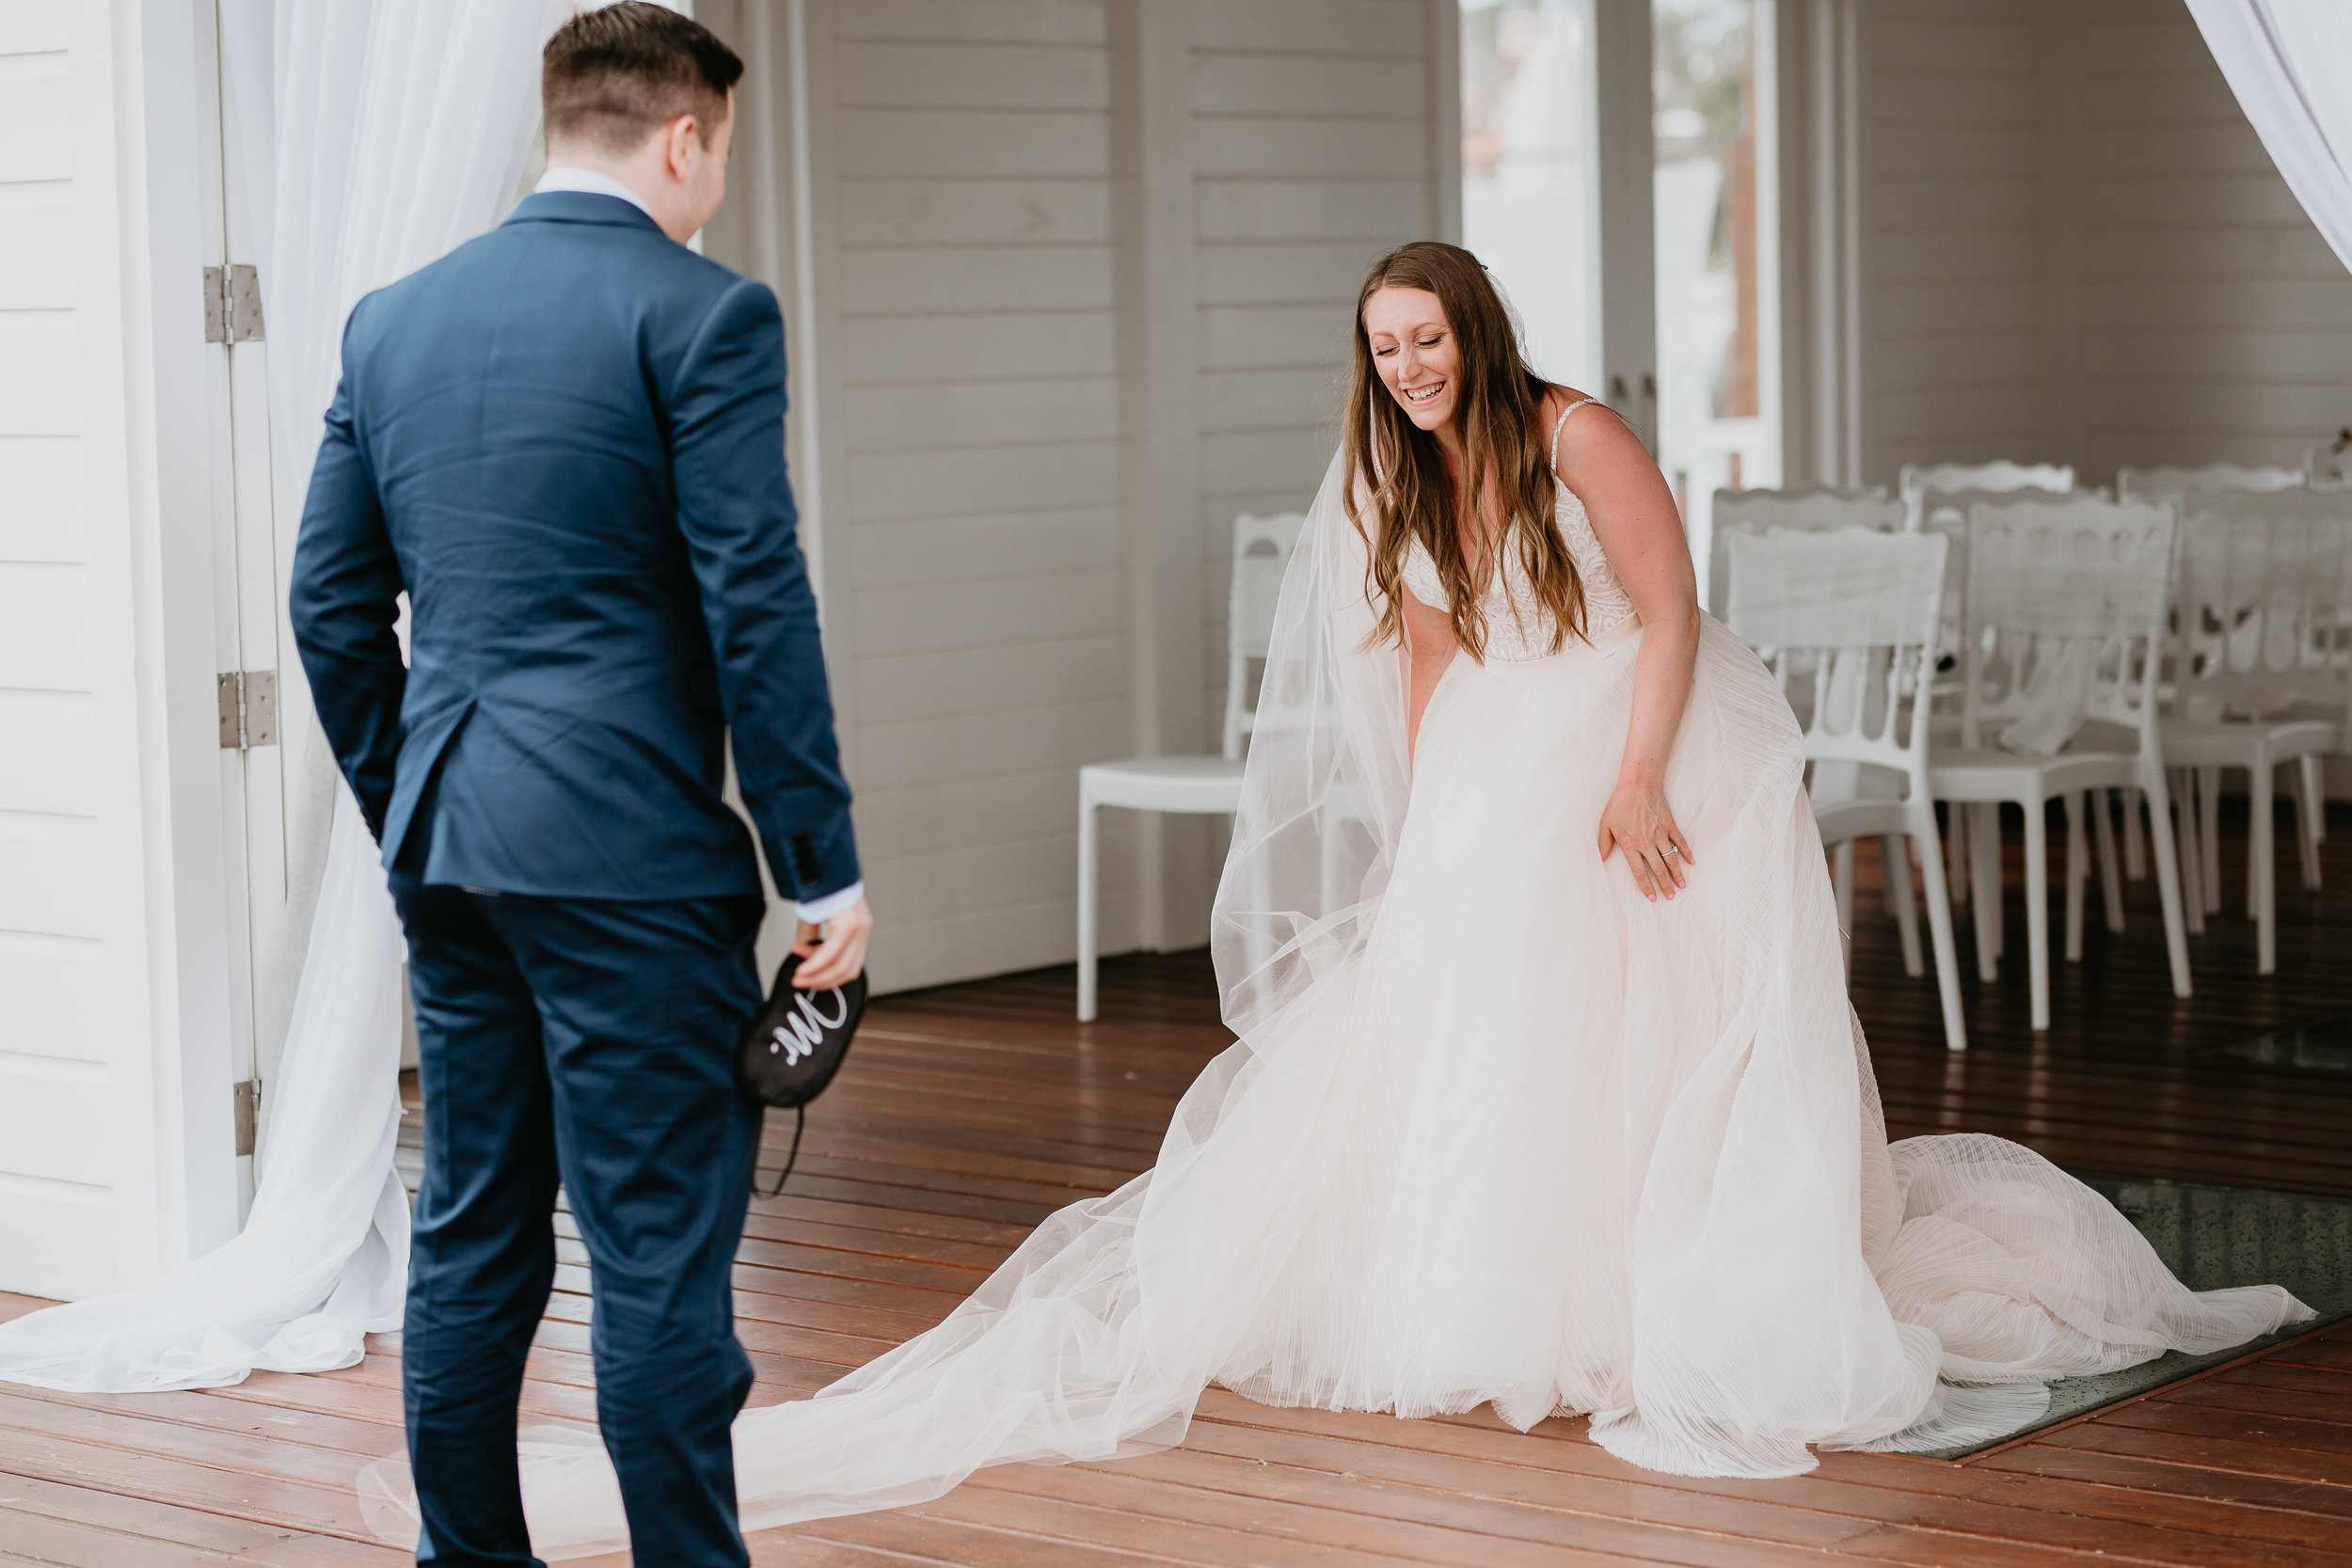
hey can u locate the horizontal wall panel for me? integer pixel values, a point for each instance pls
(1307, 397)
(1305, 86)
(55, 1121)
(954, 947)
(56, 1246)
(1056, 477)
(960, 548)
(38, 255)
(42, 477)
(1257, 148)
(1930, 147)
(1956, 100)
(971, 278)
(2251, 303)
(39, 373)
(2000, 200)
(917, 144)
(52, 986)
(1244, 337)
(981, 413)
(2189, 200)
(33, 26)
(2186, 355)
(991, 211)
(1286, 460)
(942, 818)
(44, 628)
(1961, 359)
(1924, 256)
(41, 119)
(1020, 872)
(2316, 408)
(49, 884)
(46, 764)
(895, 687)
(1248, 273)
(883, 350)
(935, 750)
(2222, 256)
(1909, 309)
(981, 614)
(1352, 27)
(959, 76)
(1273, 210)
(975, 21)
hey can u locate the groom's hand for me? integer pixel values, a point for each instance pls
(835, 953)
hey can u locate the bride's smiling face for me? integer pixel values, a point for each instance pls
(1413, 346)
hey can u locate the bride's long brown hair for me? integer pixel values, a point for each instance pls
(1397, 468)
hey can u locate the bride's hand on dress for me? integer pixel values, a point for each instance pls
(1638, 821)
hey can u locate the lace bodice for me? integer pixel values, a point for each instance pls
(1518, 628)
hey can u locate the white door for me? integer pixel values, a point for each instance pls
(251, 595)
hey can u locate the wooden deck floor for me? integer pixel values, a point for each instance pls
(970, 1113)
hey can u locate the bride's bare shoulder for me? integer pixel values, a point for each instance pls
(1595, 442)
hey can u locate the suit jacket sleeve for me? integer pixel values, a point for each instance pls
(735, 508)
(343, 600)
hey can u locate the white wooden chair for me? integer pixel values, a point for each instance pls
(2261, 611)
(1853, 613)
(1205, 784)
(2065, 621)
(1816, 510)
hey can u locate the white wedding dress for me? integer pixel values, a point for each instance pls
(1498, 1129)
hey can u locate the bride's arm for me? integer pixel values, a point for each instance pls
(1634, 517)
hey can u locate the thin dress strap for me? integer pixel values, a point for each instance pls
(1562, 423)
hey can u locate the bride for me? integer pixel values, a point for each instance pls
(1547, 1093)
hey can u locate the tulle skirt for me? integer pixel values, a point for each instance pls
(1535, 1141)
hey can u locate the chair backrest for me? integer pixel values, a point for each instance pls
(1853, 613)
(1262, 553)
(1817, 511)
(2167, 482)
(1917, 478)
(2263, 604)
(2330, 462)
(2065, 611)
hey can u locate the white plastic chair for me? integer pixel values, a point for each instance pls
(1854, 615)
(1202, 785)
(2065, 624)
(2262, 613)
(2165, 481)
(1997, 478)
(1817, 511)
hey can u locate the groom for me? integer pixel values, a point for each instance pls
(565, 441)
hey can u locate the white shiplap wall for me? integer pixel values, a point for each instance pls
(970, 261)
(115, 1136)
(1311, 150)
(1952, 258)
(2077, 250)
(55, 1137)
(2214, 324)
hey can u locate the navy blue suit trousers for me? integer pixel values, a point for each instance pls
(588, 1042)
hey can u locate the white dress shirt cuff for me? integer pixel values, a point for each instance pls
(816, 912)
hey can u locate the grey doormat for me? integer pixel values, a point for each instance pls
(2212, 1238)
(2324, 1045)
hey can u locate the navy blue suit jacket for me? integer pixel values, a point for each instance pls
(565, 441)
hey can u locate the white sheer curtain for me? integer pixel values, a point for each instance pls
(375, 134)
(2290, 64)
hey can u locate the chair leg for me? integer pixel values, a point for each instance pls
(2134, 853)
(2168, 879)
(1940, 927)
(1957, 845)
(2311, 816)
(1984, 874)
(1841, 879)
(2102, 835)
(1895, 876)
(2077, 873)
(1086, 870)
(2263, 851)
(2038, 912)
(2191, 859)
(2209, 835)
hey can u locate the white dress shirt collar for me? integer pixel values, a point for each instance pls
(594, 181)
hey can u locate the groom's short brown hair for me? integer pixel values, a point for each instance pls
(616, 74)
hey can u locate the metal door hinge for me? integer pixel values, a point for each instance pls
(232, 305)
(248, 1113)
(248, 709)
